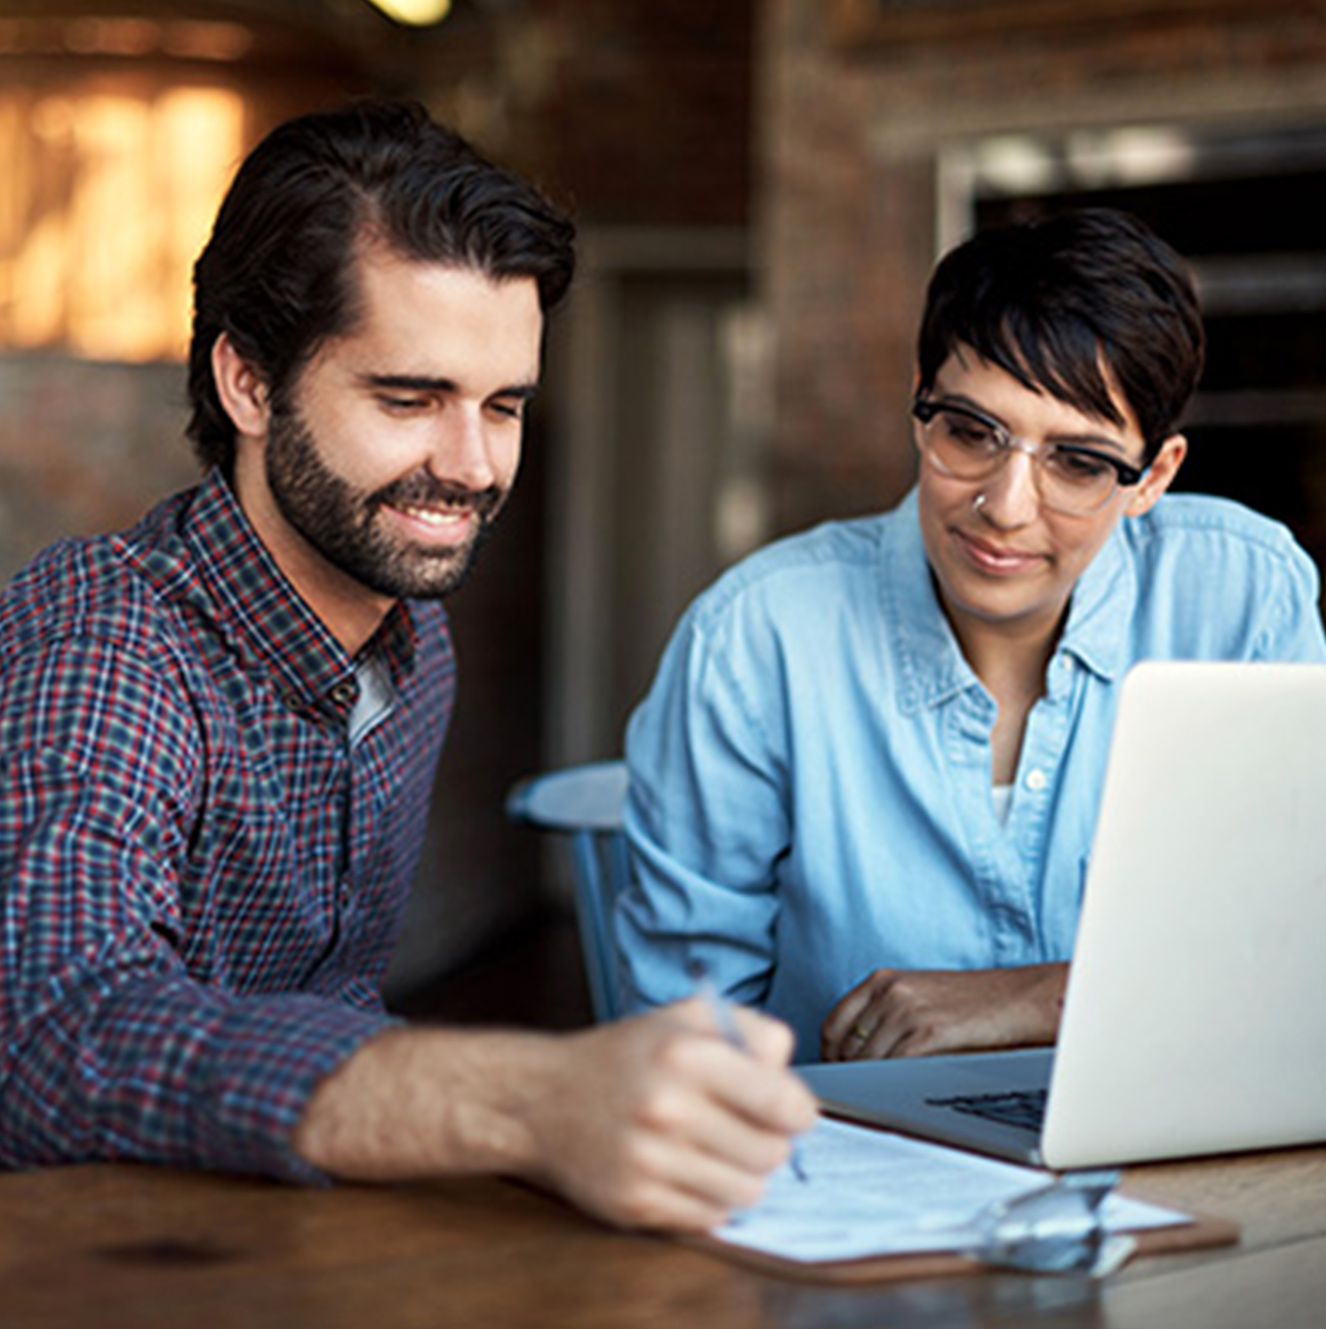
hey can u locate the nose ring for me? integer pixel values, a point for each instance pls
(978, 502)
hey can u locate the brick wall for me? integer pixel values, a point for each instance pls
(84, 447)
(637, 114)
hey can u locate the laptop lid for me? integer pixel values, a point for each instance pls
(1195, 1019)
(1195, 1016)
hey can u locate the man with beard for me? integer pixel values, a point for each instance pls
(218, 731)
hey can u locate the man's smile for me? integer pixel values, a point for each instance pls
(439, 520)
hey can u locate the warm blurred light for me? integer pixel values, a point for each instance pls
(206, 41)
(417, 13)
(106, 202)
(112, 36)
(125, 38)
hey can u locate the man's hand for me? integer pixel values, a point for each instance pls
(658, 1122)
(916, 1012)
(652, 1122)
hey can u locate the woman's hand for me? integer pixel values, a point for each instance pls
(916, 1012)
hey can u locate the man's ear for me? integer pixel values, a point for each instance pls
(1159, 476)
(241, 389)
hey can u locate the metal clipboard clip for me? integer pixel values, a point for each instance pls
(1054, 1229)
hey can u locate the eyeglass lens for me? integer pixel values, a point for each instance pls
(967, 447)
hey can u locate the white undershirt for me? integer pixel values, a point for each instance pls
(1002, 795)
(377, 697)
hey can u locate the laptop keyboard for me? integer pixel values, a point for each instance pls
(1024, 1108)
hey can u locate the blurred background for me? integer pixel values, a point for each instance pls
(762, 187)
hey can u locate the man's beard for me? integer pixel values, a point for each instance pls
(340, 522)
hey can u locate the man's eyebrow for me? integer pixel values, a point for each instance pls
(432, 383)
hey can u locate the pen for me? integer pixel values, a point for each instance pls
(730, 1032)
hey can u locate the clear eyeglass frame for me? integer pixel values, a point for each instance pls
(1055, 1229)
(1056, 493)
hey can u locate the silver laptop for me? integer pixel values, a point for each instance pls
(1195, 1016)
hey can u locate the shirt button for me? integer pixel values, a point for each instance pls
(1037, 779)
(292, 701)
(343, 694)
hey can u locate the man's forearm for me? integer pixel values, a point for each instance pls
(655, 1121)
(418, 1102)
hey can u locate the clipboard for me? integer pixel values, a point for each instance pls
(874, 1206)
(1199, 1232)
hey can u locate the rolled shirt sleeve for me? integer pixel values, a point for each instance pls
(708, 836)
(129, 1029)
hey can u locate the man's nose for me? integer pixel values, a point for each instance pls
(462, 450)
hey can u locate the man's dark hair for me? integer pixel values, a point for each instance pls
(1054, 302)
(278, 274)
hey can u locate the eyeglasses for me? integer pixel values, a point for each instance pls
(1060, 1228)
(1070, 477)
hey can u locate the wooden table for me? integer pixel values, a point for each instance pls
(123, 1245)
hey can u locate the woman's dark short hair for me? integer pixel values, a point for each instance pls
(1049, 301)
(277, 275)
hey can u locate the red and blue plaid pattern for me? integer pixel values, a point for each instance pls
(201, 880)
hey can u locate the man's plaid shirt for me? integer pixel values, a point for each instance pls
(203, 861)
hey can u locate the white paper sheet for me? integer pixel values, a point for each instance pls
(871, 1192)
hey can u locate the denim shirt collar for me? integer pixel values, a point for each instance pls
(917, 632)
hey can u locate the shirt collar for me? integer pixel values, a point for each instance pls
(931, 664)
(932, 668)
(267, 618)
(1103, 603)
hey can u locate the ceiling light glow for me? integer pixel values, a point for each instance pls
(415, 13)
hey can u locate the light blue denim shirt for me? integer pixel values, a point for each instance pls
(810, 790)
